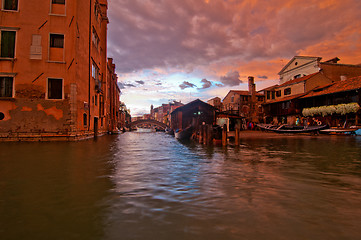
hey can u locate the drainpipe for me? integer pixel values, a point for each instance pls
(90, 66)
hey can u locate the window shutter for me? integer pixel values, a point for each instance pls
(35, 48)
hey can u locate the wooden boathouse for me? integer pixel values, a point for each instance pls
(193, 114)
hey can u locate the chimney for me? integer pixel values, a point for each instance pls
(252, 92)
(333, 60)
(251, 86)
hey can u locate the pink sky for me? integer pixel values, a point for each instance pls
(183, 50)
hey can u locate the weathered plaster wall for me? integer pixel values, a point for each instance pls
(27, 115)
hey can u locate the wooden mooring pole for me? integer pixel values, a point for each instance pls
(205, 134)
(224, 135)
(209, 134)
(200, 140)
(236, 137)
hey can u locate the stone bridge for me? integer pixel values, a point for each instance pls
(151, 122)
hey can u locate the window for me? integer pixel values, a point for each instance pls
(55, 88)
(8, 44)
(297, 76)
(10, 5)
(278, 93)
(96, 10)
(85, 119)
(286, 105)
(232, 99)
(95, 38)
(57, 7)
(56, 40)
(268, 94)
(96, 100)
(95, 71)
(273, 95)
(287, 91)
(56, 48)
(6, 86)
(58, 1)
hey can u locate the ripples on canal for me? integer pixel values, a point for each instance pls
(150, 186)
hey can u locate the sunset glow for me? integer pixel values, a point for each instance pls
(212, 46)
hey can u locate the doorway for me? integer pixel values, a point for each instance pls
(95, 126)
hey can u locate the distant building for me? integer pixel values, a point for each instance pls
(113, 111)
(146, 117)
(215, 102)
(54, 72)
(137, 118)
(125, 118)
(162, 113)
(244, 103)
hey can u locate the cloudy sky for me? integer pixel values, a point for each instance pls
(186, 49)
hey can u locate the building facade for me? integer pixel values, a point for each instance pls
(53, 69)
(163, 113)
(337, 104)
(247, 104)
(300, 76)
(112, 96)
(216, 102)
(300, 66)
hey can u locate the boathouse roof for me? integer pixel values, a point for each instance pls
(193, 103)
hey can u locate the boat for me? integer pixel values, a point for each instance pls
(284, 128)
(169, 131)
(183, 134)
(351, 131)
(358, 132)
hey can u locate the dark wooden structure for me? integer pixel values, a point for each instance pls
(341, 92)
(193, 114)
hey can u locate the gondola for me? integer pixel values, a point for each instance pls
(183, 134)
(291, 128)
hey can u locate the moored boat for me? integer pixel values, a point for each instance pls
(169, 131)
(291, 128)
(183, 134)
(351, 131)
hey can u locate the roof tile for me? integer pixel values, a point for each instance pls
(341, 86)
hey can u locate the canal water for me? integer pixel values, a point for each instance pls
(150, 186)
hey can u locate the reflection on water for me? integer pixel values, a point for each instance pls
(150, 186)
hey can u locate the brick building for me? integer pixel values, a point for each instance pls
(53, 69)
(163, 113)
(114, 110)
(247, 104)
(215, 102)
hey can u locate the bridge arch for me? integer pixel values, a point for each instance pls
(150, 122)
